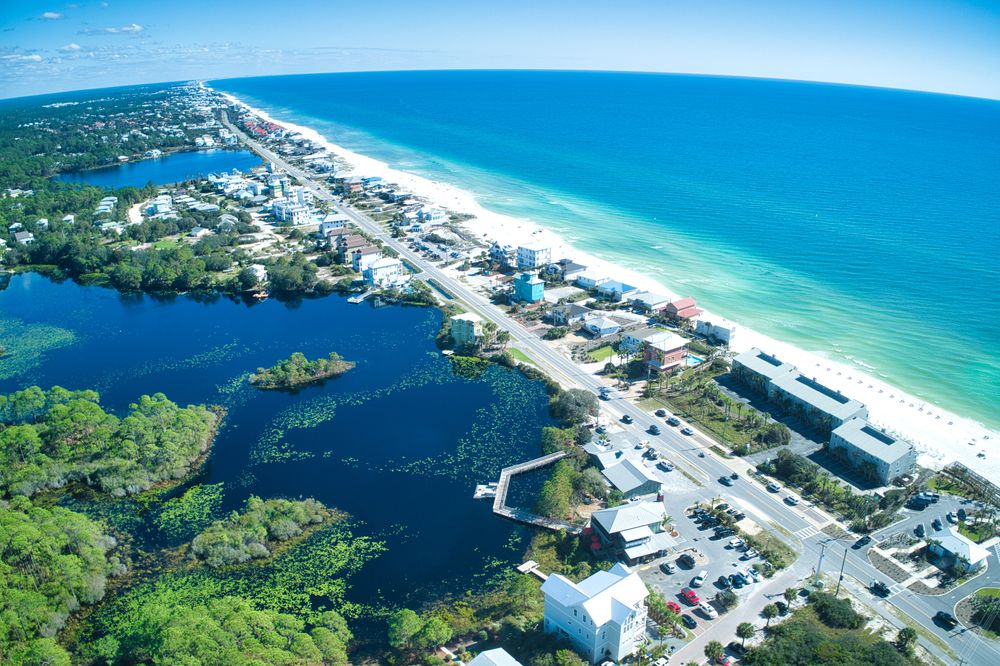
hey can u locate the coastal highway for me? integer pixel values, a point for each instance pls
(802, 524)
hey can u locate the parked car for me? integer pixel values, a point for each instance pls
(662, 661)
(724, 532)
(725, 480)
(946, 619)
(737, 581)
(600, 430)
(699, 579)
(782, 607)
(962, 515)
(673, 421)
(739, 516)
(654, 429)
(661, 412)
(724, 583)
(626, 419)
(724, 660)
(750, 554)
(707, 609)
(674, 606)
(862, 542)
(722, 506)
(919, 530)
(665, 465)
(737, 649)
(686, 560)
(690, 596)
(687, 431)
(732, 511)
(668, 568)
(736, 543)
(688, 621)
(773, 487)
(639, 446)
(953, 517)
(937, 524)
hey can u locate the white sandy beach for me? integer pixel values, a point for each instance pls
(940, 436)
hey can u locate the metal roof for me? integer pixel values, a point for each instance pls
(876, 443)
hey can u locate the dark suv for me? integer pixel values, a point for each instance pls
(686, 561)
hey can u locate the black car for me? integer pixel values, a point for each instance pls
(725, 480)
(782, 607)
(688, 621)
(626, 419)
(725, 532)
(880, 588)
(661, 412)
(722, 506)
(654, 429)
(946, 619)
(937, 524)
(920, 531)
(737, 649)
(739, 516)
(862, 542)
(737, 581)
(724, 583)
(673, 421)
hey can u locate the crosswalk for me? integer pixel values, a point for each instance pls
(895, 589)
(996, 549)
(807, 532)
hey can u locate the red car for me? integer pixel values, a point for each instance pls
(690, 596)
(724, 660)
(674, 606)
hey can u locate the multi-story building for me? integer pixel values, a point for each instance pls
(664, 351)
(533, 257)
(385, 272)
(603, 616)
(529, 288)
(816, 405)
(633, 531)
(873, 452)
(466, 329)
(756, 370)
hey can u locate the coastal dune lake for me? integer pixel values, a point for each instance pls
(859, 223)
(398, 442)
(172, 168)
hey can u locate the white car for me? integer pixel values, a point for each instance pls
(736, 544)
(792, 499)
(707, 609)
(699, 580)
(750, 554)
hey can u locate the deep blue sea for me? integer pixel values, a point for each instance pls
(171, 168)
(860, 223)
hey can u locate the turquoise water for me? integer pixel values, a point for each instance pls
(172, 168)
(859, 223)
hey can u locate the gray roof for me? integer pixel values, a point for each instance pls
(819, 396)
(572, 309)
(495, 657)
(629, 516)
(876, 443)
(763, 364)
(627, 475)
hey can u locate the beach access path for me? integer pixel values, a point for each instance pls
(797, 525)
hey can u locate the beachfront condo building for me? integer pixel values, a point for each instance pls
(533, 257)
(466, 329)
(603, 616)
(873, 452)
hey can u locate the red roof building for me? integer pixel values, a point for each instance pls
(683, 308)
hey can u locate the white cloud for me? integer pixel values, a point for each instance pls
(20, 57)
(72, 46)
(135, 27)
(51, 16)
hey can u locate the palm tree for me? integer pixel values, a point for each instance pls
(770, 612)
(905, 638)
(790, 595)
(745, 630)
(714, 650)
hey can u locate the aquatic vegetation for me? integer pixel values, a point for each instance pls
(181, 517)
(26, 344)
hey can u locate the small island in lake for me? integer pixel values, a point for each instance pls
(297, 370)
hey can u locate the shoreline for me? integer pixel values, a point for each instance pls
(939, 436)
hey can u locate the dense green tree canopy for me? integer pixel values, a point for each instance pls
(297, 370)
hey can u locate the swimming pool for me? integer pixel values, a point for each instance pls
(692, 361)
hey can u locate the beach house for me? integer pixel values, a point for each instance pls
(568, 313)
(955, 549)
(873, 452)
(665, 351)
(633, 531)
(529, 288)
(24, 237)
(682, 309)
(717, 332)
(503, 255)
(466, 329)
(647, 301)
(603, 616)
(533, 257)
(591, 279)
(634, 340)
(565, 269)
(632, 479)
(616, 291)
(600, 326)
(384, 272)
(363, 257)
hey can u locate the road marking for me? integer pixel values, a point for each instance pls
(895, 589)
(807, 532)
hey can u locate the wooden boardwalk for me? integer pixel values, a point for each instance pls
(520, 515)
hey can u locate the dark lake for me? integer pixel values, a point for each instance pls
(399, 442)
(171, 168)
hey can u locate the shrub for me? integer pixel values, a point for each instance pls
(836, 613)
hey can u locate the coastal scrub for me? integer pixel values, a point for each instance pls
(297, 370)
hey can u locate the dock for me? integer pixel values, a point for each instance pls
(520, 515)
(360, 297)
(531, 567)
(485, 491)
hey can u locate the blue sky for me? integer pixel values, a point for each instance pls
(936, 45)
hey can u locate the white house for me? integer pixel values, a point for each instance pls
(600, 327)
(69, 219)
(24, 237)
(494, 657)
(363, 257)
(199, 232)
(331, 222)
(531, 257)
(603, 616)
(591, 279)
(956, 549)
(634, 341)
(650, 302)
(42, 223)
(720, 332)
(291, 211)
(384, 272)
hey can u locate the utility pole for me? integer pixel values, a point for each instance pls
(819, 565)
(839, 580)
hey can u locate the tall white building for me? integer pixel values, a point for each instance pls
(384, 272)
(530, 257)
(603, 616)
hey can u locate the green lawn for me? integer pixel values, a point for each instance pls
(602, 354)
(166, 243)
(520, 356)
(979, 533)
(988, 592)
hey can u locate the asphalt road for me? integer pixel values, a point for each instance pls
(768, 508)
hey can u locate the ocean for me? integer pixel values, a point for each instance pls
(862, 224)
